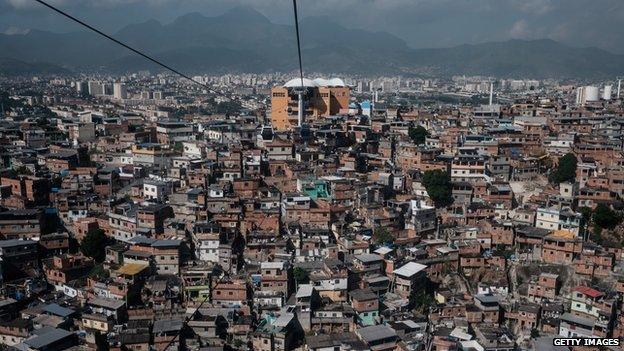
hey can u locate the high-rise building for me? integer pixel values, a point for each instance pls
(158, 95)
(107, 89)
(82, 87)
(119, 91)
(322, 98)
(606, 93)
(580, 96)
(586, 94)
(96, 88)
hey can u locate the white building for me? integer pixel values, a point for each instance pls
(82, 132)
(423, 217)
(606, 92)
(586, 94)
(155, 189)
(207, 247)
(553, 218)
(119, 91)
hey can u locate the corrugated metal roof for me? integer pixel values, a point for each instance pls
(167, 325)
(305, 290)
(46, 337)
(58, 310)
(376, 332)
(409, 269)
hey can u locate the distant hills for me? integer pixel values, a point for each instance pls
(13, 67)
(243, 40)
(520, 58)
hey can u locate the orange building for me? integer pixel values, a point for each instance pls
(546, 286)
(322, 97)
(561, 247)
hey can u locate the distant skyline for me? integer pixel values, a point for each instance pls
(421, 23)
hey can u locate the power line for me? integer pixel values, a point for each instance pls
(188, 319)
(298, 42)
(55, 9)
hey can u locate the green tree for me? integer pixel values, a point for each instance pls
(237, 343)
(382, 236)
(605, 218)
(596, 235)
(178, 147)
(301, 275)
(439, 187)
(418, 134)
(586, 213)
(229, 107)
(94, 245)
(566, 169)
(423, 301)
(8, 103)
(99, 271)
(23, 170)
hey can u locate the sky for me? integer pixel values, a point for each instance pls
(421, 23)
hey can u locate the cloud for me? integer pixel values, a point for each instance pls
(16, 31)
(535, 7)
(520, 30)
(22, 4)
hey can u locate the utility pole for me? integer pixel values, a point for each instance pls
(300, 107)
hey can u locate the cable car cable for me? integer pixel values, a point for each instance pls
(138, 52)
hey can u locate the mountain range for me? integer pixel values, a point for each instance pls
(244, 40)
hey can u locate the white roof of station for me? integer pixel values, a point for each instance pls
(318, 82)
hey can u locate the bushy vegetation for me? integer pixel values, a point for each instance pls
(566, 169)
(439, 187)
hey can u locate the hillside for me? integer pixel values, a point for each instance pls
(13, 67)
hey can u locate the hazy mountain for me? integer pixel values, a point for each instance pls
(535, 58)
(13, 67)
(243, 39)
